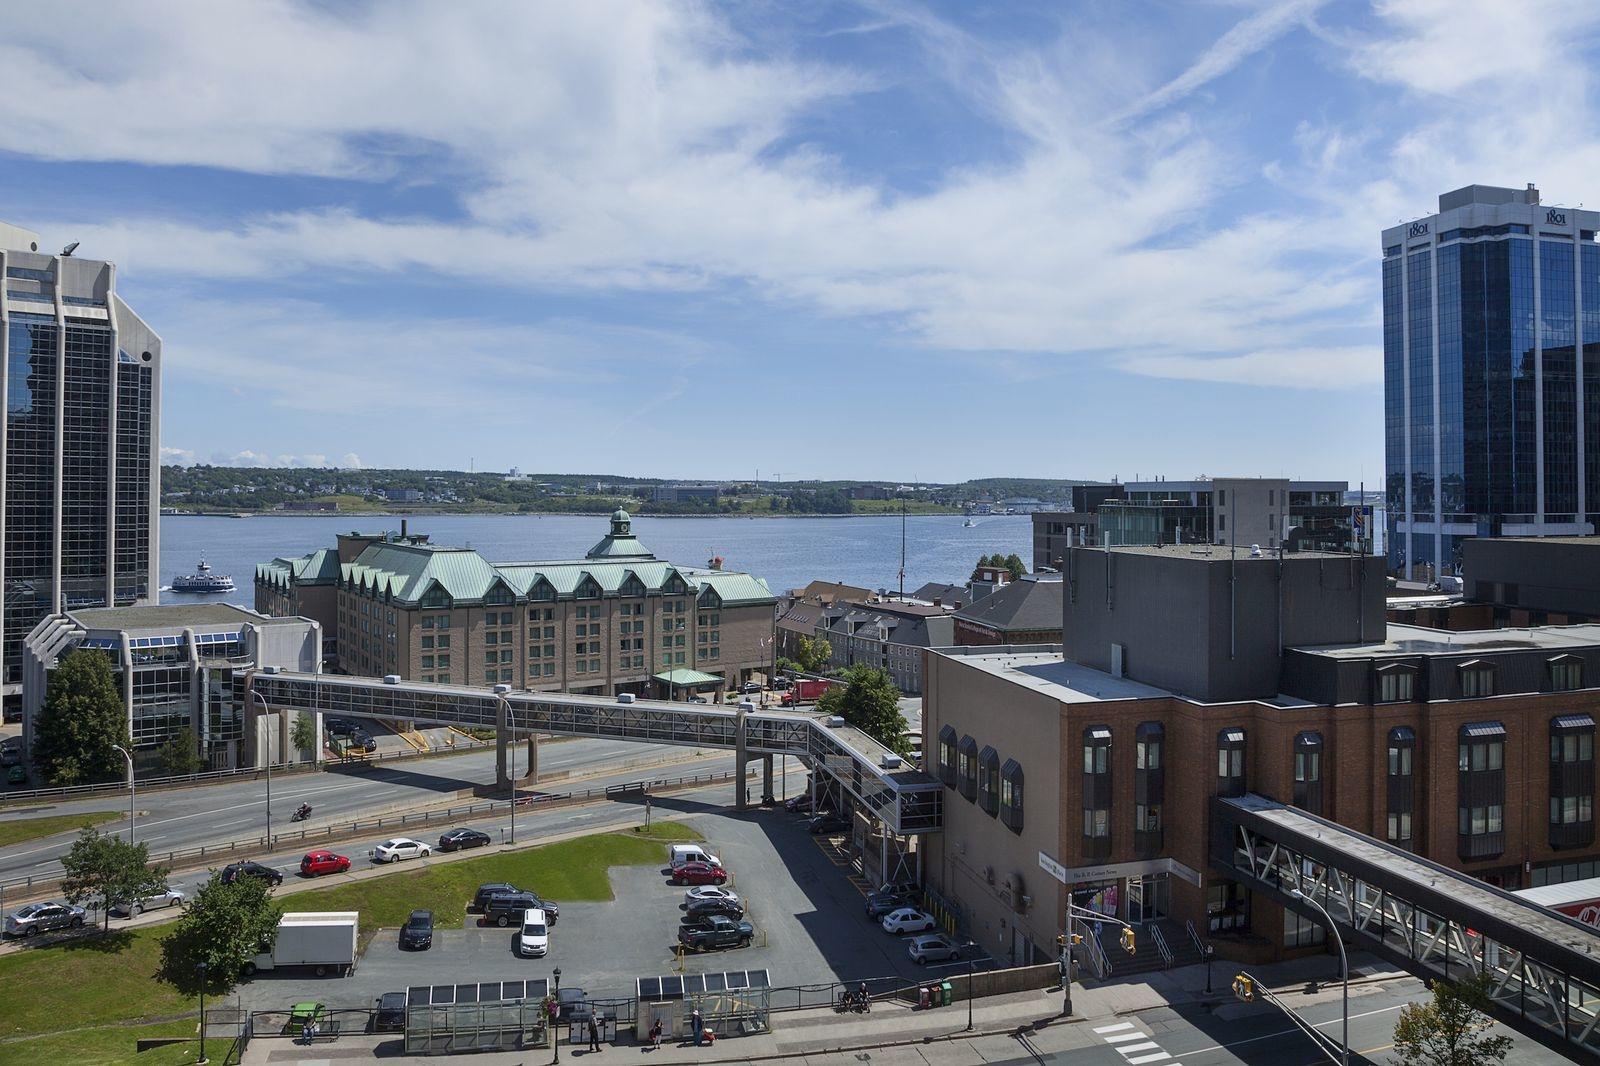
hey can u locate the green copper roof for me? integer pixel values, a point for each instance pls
(320, 567)
(731, 589)
(620, 543)
(685, 676)
(406, 572)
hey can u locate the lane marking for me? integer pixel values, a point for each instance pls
(1114, 1028)
(1146, 1046)
(1157, 1057)
(1284, 1032)
(1124, 1036)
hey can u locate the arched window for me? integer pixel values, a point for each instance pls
(1096, 793)
(967, 767)
(1402, 786)
(989, 780)
(1571, 781)
(1011, 795)
(1308, 772)
(1149, 789)
(1230, 762)
(947, 756)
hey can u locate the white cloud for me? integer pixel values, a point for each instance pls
(1300, 368)
(249, 457)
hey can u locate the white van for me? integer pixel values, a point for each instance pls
(682, 853)
(533, 939)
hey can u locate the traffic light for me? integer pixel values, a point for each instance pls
(1074, 939)
(1061, 941)
(1077, 939)
(1128, 944)
(1244, 987)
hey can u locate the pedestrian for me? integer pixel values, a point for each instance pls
(655, 1034)
(699, 1026)
(594, 1033)
(310, 1031)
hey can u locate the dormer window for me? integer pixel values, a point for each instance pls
(1566, 673)
(1396, 683)
(1477, 679)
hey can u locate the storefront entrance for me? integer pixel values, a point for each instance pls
(1149, 897)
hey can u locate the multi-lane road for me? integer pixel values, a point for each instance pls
(234, 810)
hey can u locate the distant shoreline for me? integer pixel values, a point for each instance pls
(554, 514)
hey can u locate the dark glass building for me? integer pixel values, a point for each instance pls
(1491, 356)
(79, 414)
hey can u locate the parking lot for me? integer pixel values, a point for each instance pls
(809, 919)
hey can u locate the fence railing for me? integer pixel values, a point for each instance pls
(339, 830)
(1194, 937)
(1161, 946)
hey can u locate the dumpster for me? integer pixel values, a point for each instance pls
(947, 996)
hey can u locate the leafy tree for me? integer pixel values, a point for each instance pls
(225, 926)
(303, 734)
(180, 755)
(82, 718)
(1452, 1029)
(107, 868)
(786, 665)
(1012, 563)
(869, 701)
(813, 655)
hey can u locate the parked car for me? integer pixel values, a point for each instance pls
(717, 932)
(504, 910)
(417, 933)
(38, 918)
(400, 848)
(170, 897)
(339, 727)
(800, 804)
(881, 904)
(360, 742)
(17, 775)
(706, 908)
(481, 898)
(678, 854)
(699, 873)
(697, 699)
(10, 752)
(534, 940)
(457, 839)
(390, 1016)
(306, 1011)
(709, 892)
(901, 888)
(750, 687)
(934, 947)
(907, 920)
(235, 870)
(826, 823)
(317, 863)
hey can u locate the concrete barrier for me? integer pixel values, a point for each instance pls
(991, 982)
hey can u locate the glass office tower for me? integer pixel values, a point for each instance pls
(1491, 366)
(79, 443)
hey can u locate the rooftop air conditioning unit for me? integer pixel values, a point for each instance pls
(501, 690)
(625, 697)
(391, 679)
(269, 669)
(834, 721)
(747, 705)
(890, 761)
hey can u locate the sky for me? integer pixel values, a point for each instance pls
(834, 240)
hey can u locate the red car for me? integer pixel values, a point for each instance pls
(323, 862)
(699, 873)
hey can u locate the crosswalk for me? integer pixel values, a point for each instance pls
(1136, 1047)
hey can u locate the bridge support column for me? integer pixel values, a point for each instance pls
(502, 739)
(532, 776)
(766, 779)
(741, 762)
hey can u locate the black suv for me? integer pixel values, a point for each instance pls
(339, 727)
(235, 870)
(506, 909)
(418, 931)
(456, 839)
(492, 889)
(390, 1017)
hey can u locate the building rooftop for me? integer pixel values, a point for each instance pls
(173, 615)
(1032, 603)
(1216, 552)
(1041, 668)
(1417, 640)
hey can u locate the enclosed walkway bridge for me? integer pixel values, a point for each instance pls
(907, 801)
(1433, 921)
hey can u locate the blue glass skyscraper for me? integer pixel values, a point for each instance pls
(1491, 370)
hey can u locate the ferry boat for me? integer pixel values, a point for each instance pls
(202, 580)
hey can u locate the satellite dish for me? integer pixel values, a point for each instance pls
(69, 249)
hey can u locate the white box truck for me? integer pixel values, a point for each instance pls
(322, 941)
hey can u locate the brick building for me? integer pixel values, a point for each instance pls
(618, 620)
(1087, 771)
(1021, 612)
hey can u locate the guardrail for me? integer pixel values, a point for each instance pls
(1161, 946)
(327, 765)
(36, 884)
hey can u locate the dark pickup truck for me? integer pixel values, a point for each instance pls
(715, 932)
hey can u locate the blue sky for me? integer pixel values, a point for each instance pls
(874, 240)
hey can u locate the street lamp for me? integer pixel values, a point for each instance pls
(266, 710)
(132, 796)
(1344, 969)
(505, 707)
(972, 970)
(200, 968)
(555, 1020)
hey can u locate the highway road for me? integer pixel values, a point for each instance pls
(207, 814)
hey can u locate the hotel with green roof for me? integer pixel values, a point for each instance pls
(617, 620)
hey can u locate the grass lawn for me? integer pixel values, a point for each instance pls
(567, 870)
(100, 980)
(16, 831)
(113, 1044)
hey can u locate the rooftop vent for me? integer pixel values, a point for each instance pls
(501, 690)
(625, 697)
(391, 679)
(834, 721)
(890, 761)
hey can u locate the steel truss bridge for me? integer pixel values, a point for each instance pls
(907, 801)
(1433, 921)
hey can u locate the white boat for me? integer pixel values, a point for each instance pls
(969, 523)
(202, 580)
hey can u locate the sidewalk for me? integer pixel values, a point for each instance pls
(999, 1023)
